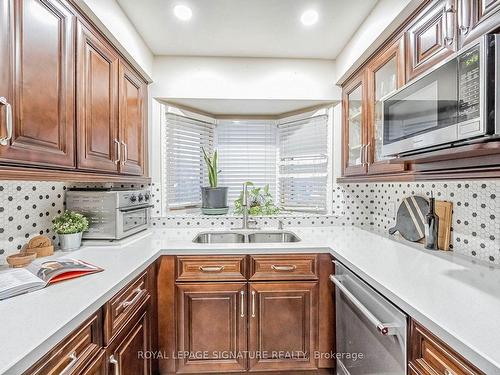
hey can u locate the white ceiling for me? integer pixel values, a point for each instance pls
(259, 107)
(247, 28)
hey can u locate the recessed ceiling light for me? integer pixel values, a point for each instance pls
(309, 17)
(183, 12)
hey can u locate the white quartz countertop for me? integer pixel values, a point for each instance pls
(454, 297)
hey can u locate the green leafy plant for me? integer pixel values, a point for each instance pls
(211, 163)
(70, 222)
(260, 202)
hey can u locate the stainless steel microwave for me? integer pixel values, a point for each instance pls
(455, 103)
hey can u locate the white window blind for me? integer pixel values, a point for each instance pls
(247, 152)
(185, 165)
(303, 164)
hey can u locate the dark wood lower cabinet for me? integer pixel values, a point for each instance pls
(283, 325)
(129, 354)
(97, 366)
(211, 327)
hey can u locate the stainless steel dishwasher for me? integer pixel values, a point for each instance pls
(371, 331)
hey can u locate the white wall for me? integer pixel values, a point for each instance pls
(110, 15)
(244, 78)
(385, 17)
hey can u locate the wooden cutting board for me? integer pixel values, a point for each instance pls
(444, 210)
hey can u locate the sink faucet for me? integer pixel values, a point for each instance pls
(244, 209)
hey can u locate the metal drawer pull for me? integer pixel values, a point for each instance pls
(8, 121)
(448, 372)
(284, 268)
(125, 152)
(242, 294)
(386, 329)
(73, 359)
(114, 362)
(118, 151)
(253, 303)
(137, 294)
(211, 268)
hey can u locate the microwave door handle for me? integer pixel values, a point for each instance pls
(385, 329)
(137, 208)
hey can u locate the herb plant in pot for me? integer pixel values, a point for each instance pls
(213, 197)
(70, 226)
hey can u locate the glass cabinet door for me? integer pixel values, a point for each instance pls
(385, 74)
(385, 82)
(354, 127)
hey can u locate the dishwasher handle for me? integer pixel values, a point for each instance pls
(385, 329)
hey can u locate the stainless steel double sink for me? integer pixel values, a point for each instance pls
(278, 236)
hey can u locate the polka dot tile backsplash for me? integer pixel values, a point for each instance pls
(26, 210)
(476, 210)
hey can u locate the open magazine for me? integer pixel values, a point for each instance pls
(41, 273)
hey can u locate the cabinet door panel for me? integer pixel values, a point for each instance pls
(385, 74)
(124, 355)
(432, 37)
(132, 121)
(42, 33)
(283, 326)
(211, 320)
(354, 127)
(97, 98)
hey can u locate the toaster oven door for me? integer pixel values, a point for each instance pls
(131, 220)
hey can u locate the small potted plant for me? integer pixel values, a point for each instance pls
(213, 197)
(70, 226)
(260, 202)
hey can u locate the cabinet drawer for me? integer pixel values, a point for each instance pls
(431, 356)
(284, 267)
(74, 353)
(210, 268)
(123, 305)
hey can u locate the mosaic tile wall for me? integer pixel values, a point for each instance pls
(476, 210)
(26, 209)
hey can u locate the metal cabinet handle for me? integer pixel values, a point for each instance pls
(284, 268)
(211, 268)
(73, 359)
(118, 151)
(125, 152)
(137, 294)
(367, 153)
(8, 121)
(242, 307)
(385, 329)
(449, 27)
(114, 362)
(464, 17)
(253, 303)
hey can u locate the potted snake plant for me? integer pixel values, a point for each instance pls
(213, 197)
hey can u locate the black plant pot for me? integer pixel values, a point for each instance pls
(214, 200)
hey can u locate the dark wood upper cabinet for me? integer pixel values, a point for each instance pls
(363, 115)
(432, 37)
(212, 319)
(283, 319)
(124, 355)
(133, 94)
(99, 148)
(477, 17)
(37, 50)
